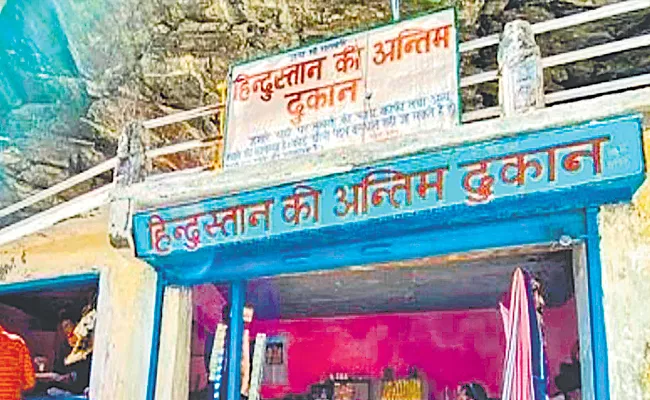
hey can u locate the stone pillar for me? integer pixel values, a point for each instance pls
(132, 168)
(173, 380)
(521, 77)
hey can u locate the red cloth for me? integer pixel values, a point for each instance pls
(16, 369)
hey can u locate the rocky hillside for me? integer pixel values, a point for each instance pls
(73, 72)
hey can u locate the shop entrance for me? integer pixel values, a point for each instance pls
(56, 319)
(419, 329)
(289, 250)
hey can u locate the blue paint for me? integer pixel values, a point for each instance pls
(622, 163)
(155, 339)
(274, 257)
(283, 253)
(236, 331)
(58, 283)
(597, 311)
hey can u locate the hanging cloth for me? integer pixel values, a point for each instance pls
(525, 366)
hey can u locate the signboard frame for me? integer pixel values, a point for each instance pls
(364, 29)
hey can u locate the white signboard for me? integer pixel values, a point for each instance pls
(365, 87)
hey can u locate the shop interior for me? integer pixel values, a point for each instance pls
(57, 326)
(412, 330)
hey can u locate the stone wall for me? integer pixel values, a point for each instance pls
(125, 304)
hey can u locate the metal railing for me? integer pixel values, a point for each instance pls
(618, 46)
(467, 81)
(110, 164)
(603, 12)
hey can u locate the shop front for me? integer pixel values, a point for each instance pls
(84, 310)
(397, 278)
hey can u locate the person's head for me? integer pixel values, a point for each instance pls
(67, 325)
(471, 391)
(66, 317)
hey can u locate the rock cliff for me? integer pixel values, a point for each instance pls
(74, 72)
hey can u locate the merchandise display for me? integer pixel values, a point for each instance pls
(259, 353)
(217, 358)
(343, 391)
(402, 389)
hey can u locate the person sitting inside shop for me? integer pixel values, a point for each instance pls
(71, 373)
(16, 369)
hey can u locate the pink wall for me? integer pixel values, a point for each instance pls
(449, 347)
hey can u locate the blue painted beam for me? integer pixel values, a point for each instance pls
(597, 311)
(274, 257)
(57, 283)
(155, 339)
(236, 331)
(429, 189)
(274, 254)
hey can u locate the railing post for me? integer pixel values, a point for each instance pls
(217, 159)
(132, 167)
(521, 75)
(394, 8)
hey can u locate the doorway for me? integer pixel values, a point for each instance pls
(56, 318)
(345, 334)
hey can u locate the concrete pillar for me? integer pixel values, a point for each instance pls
(624, 231)
(521, 77)
(123, 336)
(173, 378)
(625, 254)
(127, 294)
(132, 167)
